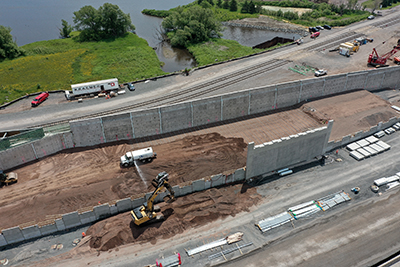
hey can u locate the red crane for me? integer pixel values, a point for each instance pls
(375, 60)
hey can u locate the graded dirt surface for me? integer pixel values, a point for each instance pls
(185, 213)
(352, 112)
(79, 179)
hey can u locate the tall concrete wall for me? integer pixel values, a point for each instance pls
(263, 99)
(288, 94)
(87, 132)
(235, 105)
(176, 117)
(207, 111)
(287, 151)
(146, 122)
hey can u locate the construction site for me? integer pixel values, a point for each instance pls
(230, 161)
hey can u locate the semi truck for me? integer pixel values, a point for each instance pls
(143, 155)
(82, 89)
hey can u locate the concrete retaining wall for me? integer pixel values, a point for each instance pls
(287, 151)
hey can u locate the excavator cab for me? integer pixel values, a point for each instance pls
(147, 212)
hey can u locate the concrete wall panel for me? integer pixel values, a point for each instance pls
(3, 241)
(67, 140)
(87, 217)
(177, 190)
(71, 220)
(198, 185)
(31, 232)
(13, 235)
(124, 204)
(356, 80)
(240, 175)
(59, 223)
(312, 88)
(335, 84)
(113, 210)
(48, 145)
(187, 189)
(48, 229)
(217, 180)
(176, 117)
(138, 202)
(102, 211)
(273, 156)
(117, 127)
(235, 105)
(392, 78)
(206, 111)
(16, 156)
(374, 80)
(146, 122)
(262, 99)
(288, 94)
(87, 132)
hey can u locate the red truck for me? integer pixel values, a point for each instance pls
(39, 99)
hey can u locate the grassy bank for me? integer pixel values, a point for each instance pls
(56, 64)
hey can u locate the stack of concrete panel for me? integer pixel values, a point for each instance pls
(304, 209)
(377, 148)
(383, 145)
(353, 146)
(332, 200)
(356, 155)
(363, 152)
(372, 139)
(386, 180)
(362, 143)
(371, 150)
(275, 221)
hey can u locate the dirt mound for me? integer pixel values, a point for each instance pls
(186, 212)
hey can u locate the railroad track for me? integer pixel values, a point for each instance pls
(385, 23)
(188, 93)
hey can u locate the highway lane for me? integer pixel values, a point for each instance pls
(207, 77)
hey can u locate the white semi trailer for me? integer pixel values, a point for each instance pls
(143, 155)
(88, 88)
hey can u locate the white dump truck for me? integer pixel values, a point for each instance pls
(89, 88)
(143, 155)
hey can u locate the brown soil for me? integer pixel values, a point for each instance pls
(185, 213)
(352, 112)
(78, 179)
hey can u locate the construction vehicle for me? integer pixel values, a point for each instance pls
(7, 179)
(375, 60)
(147, 212)
(397, 60)
(143, 155)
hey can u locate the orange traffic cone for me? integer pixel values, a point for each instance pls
(83, 234)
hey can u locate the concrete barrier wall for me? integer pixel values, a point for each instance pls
(235, 105)
(207, 111)
(75, 219)
(263, 99)
(391, 80)
(312, 88)
(17, 156)
(335, 84)
(356, 80)
(287, 151)
(146, 122)
(288, 94)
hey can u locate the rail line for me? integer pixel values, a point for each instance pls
(189, 93)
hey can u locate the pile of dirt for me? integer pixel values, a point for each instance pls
(80, 178)
(185, 213)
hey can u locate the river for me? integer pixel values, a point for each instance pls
(38, 20)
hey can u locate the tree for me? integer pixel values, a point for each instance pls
(192, 25)
(226, 4)
(233, 6)
(106, 22)
(8, 47)
(211, 2)
(245, 7)
(252, 7)
(66, 29)
(219, 3)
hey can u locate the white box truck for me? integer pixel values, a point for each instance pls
(143, 155)
(88, 88)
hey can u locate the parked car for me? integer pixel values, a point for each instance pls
(131, 87)
(370, 17)
(314, 35)
(39, 99)
(320, 72)
(327, 27)
(319, 27)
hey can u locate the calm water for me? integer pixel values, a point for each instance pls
(37, 20)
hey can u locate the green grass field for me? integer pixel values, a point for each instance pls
(56, 64)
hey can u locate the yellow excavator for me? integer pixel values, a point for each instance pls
(148, 212)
